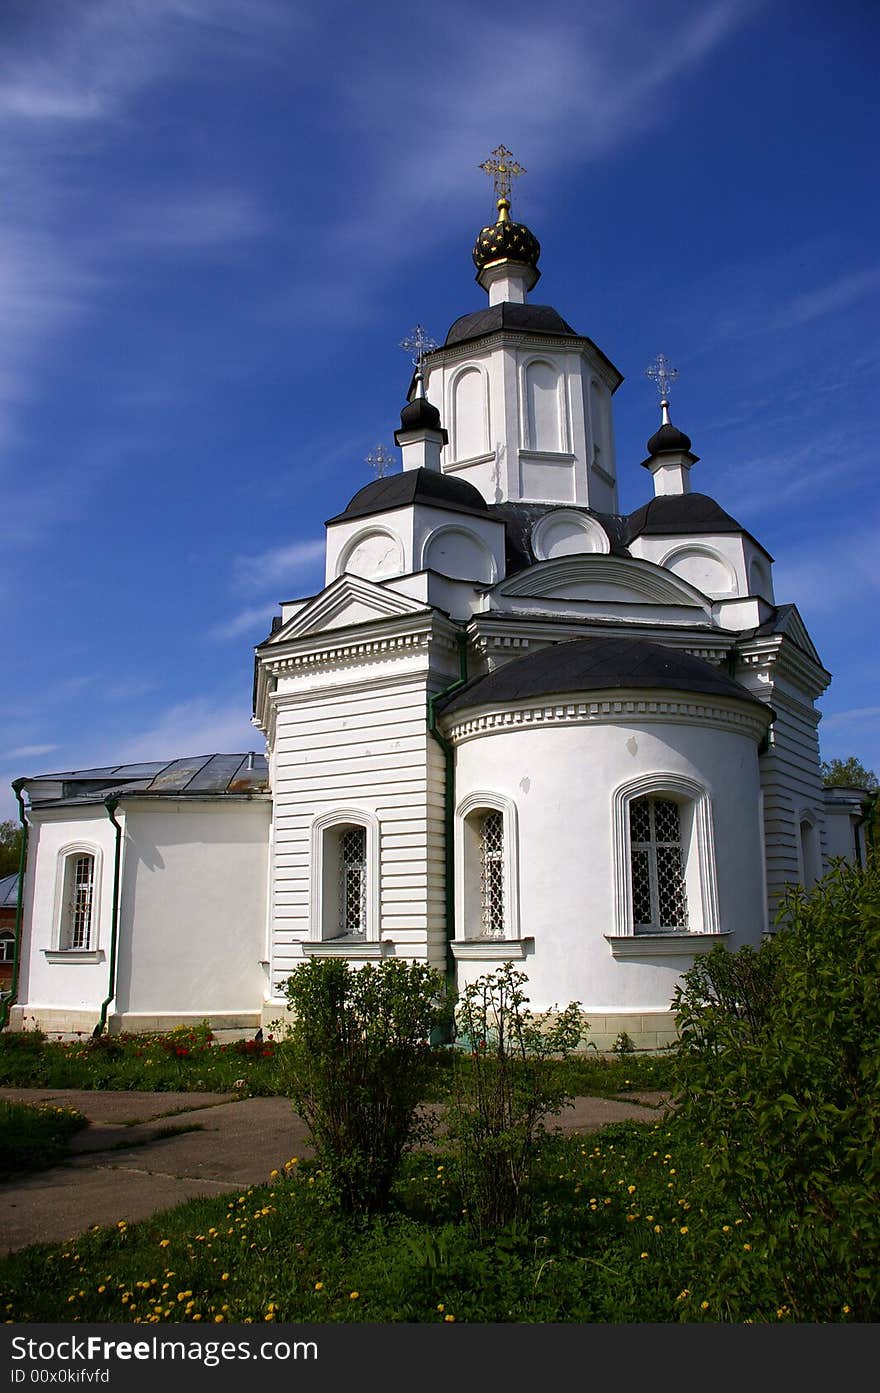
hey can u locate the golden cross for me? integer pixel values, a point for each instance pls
(503, 168)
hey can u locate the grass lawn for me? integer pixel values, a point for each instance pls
(32, 1138)
(610, 1236)
(188, 1060)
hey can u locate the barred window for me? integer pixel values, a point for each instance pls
(659, 892)
(353, 881)
(79, 887)
(492, 874)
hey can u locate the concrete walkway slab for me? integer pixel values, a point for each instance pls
(122, 1167)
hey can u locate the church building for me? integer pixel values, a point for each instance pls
(514, 725)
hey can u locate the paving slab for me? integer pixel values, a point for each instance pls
(119, 1171)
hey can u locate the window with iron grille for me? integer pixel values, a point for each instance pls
(492, 874)
(353, 881)
(659, 892)
(79, 876)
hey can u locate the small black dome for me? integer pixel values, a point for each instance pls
(425, 486)
(597, 664)
(419, 414)
(506, 241)
(668, 440)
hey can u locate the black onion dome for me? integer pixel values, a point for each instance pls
(597, 664)
(668, 440)
(425, 486)
(506, 241)
(419, 414)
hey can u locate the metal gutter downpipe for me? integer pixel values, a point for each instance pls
(9, 1001)
(449, 800)
(111, 804)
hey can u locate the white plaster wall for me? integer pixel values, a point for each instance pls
(715, 563)
(193, 909)
(462, 546)
(65, 986)
(386, 540)
(561, 779)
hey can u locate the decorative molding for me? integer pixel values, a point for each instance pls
(346, 948)
(372, 529)
(641, 578)
(492, 949)
(63, 855)
(670, 945)
(701, 846)
(681, 550)
(609, 711)
(476, 801)
(590, 529)
(334, 599)
(343, 816)
(74, 955)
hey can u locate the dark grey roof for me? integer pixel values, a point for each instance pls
(520, 520)
(418, 414)
(193, 776)
(530, 319)
(414, 486)
(669, 439)
(596, 664)
(686, 514)
(9, 892)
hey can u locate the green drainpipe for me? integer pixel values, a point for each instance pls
(449, 800)
(9, 1001)
(111, 804)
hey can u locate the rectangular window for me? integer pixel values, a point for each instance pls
(659, 894)
(353, 881)
(492, 874)
(79, 878)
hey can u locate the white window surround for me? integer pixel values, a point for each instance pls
(469, 940)
(594, 535)
(809, 857)
(323, 903)
(56, 952)
(698, 841)
(527, 425)
(381, 540)
(453, 406)
(474, 539)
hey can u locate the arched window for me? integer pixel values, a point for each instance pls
(659, 889)
(486, 897)
(664, 857)
(543, 407)
(344, 897)
(469, 417)
(77, 903)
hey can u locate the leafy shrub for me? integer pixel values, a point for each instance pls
(503, 1091)
(779, 1068)
(357, 1062)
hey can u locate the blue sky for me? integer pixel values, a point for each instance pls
(219, 217)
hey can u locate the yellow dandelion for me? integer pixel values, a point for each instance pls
(630, 1189)
(224, 1277)
(704, 1305)
(449, 1318)
(319, 1286)
(747, 1247)
(643, 1255)
(440, 1306)
(683, 1229)
(353, 1295)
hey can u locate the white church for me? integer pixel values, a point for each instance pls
(514, 725)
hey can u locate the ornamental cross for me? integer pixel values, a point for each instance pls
(418, 343)
(380, 460)
(662, 373)
(503, 168)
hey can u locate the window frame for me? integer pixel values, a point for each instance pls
(698, 854)
(468, 868)
(326, 836)
(66, 855)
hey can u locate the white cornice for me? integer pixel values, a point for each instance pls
(621, 707)
(549, 343)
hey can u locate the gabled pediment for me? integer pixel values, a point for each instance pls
(348, 601)
(790, 623)
(603, 578)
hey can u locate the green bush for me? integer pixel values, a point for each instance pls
(779, 1076)
(502, 1091)
(358, 1061)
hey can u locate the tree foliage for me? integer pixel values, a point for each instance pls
(10, 847)
(779, 1075)
(848, 773)
(358, 1059)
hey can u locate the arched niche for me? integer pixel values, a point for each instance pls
(704, 568)
(374, 554)
(458, 553)
(565, 532)
(759, 579)
(542, 394)
(470, 414)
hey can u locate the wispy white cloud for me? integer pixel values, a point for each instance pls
(765, 315)
(859, 715)
(277, 566)
(193, 727)
(254, 621)
(28, 751)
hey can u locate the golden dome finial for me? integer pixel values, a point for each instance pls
(503, 169)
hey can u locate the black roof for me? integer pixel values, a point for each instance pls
(191, 776)
(668, 440)
(520, 519)
(414, 486)
(419, 414)
(685, 513)
(530, 319)
(596, 664)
